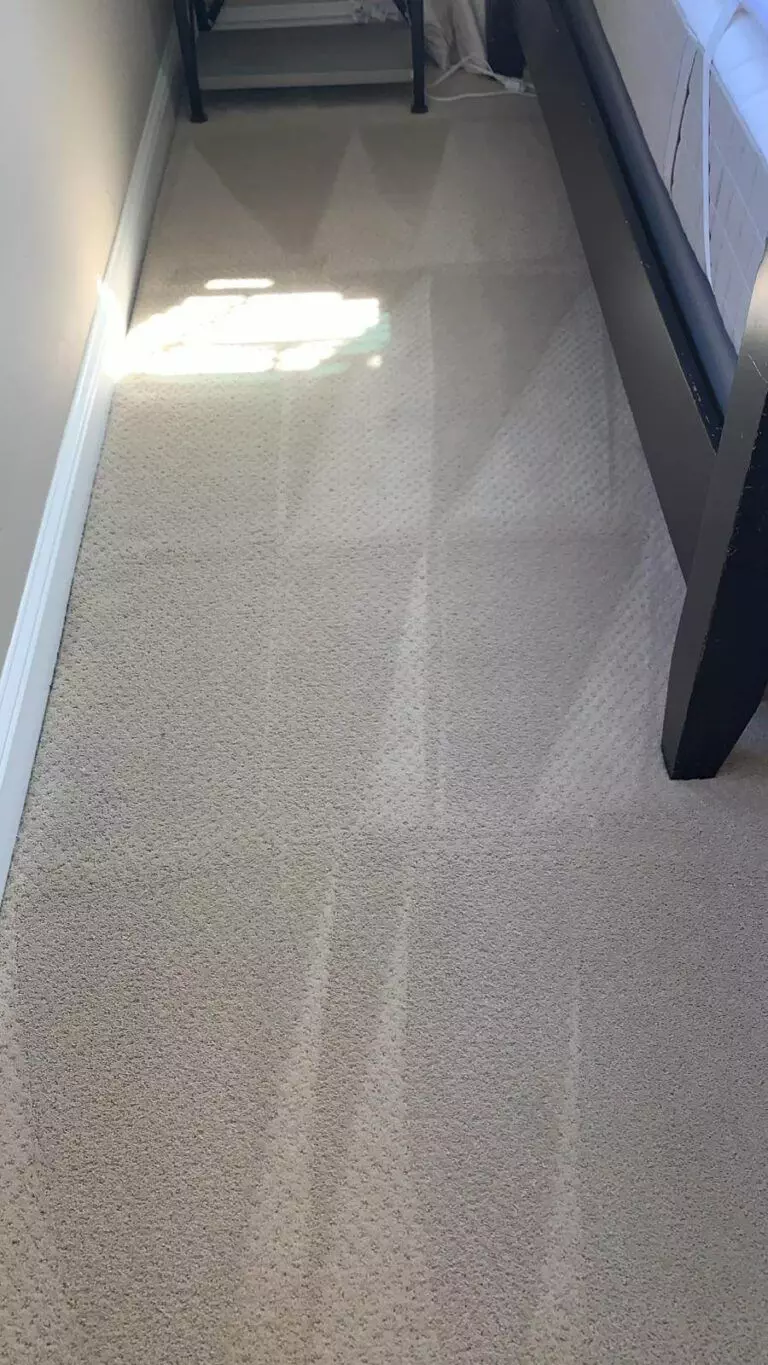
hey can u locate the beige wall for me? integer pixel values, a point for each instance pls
(77, 80)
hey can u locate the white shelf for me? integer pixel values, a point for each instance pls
(241, 14)
(269, 59)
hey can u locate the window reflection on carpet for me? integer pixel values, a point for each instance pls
(257, 332)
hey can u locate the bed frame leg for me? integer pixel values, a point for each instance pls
(719, 667)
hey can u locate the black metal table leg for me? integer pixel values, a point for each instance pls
(418, 50)
(185, 22)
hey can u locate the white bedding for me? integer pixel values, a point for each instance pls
(659, 46)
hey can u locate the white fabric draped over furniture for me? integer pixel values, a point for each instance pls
(455, 29)
(456, 33)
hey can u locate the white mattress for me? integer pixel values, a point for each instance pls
(658, 45)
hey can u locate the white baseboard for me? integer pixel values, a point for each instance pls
(28, 667)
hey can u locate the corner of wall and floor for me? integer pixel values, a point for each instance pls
(30, 660)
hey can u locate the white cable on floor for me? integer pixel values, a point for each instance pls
(512, 85)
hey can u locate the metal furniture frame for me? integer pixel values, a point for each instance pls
(199, 16)
(710, 468)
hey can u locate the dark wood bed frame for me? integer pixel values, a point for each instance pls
(710, 469)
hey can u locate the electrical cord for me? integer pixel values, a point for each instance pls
(512, 85)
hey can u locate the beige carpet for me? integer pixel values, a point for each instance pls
(369, 996)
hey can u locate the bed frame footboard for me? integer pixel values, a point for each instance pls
(710, 471)
(719, 667)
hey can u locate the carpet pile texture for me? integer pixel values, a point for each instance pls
(368, 996)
